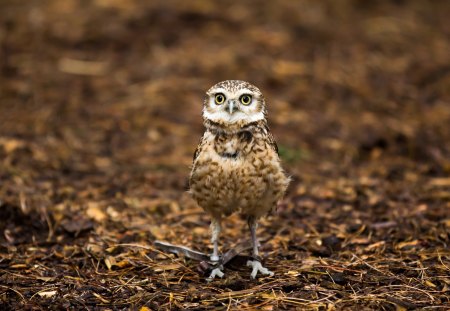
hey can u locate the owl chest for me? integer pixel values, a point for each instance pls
(233, 172)
(236, 146)
(236, 157)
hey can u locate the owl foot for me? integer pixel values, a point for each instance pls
(215, 272)
(257, 267)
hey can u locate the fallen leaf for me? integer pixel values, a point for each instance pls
(407, 244)
(47, 294)
(157, 232)
(10, 144)
(19, 266)
(81, 67)
(94, 249)
(440, 182)
(76, 225)
(172, 266)
(375, 245)
(360, 241)
(110, 262)
(123, 263)
(292, 273)
(95, 212)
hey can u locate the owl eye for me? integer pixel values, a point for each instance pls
(246, 99)
(220, 99)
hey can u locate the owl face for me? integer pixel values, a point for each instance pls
(234, 101)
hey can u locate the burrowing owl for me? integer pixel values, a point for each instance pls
(236, 165)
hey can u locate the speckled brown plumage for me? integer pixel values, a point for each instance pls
(236, 165)
(238, 171)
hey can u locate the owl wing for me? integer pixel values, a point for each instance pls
(198, 149)
(271, 141)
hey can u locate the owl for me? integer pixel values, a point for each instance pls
(236, 166)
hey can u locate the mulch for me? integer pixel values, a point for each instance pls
(100, 113)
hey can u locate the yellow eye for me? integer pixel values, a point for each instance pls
(220, 99)
(245, 99)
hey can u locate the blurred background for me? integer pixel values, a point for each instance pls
(100, 112)
(113, 85)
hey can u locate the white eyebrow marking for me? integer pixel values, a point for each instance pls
(218, 90)
(246, 91)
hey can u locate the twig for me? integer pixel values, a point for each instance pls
(16, 291)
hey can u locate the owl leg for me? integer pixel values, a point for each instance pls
(256, 263)
(215, 231)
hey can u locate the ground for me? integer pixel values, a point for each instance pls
(100, 113)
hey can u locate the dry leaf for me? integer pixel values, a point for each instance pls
(47, 294)
(95, 212)
(123, 263)
(19, 266)
(375, 245)
(157, 232)
(407, 244)
(173, 266)
(94, 249)
(81, 67)
(110, 262)
(11, 144)
(440, 182)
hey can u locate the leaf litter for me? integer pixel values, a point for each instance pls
(100, 114)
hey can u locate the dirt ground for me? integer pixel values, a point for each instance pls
(100, 113)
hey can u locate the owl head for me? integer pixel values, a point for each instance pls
(234, 102)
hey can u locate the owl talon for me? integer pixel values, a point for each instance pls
(215, 272)
(258, 267)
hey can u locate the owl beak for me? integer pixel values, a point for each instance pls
(232, 107)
